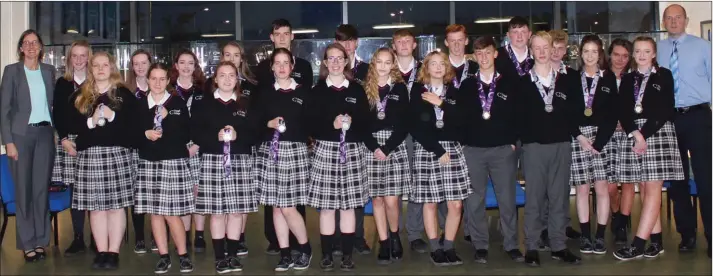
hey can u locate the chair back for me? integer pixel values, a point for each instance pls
(7, 186)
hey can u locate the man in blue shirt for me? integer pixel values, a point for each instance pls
(689, 59)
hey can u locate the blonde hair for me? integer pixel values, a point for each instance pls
(69, 67)
(541, 34)
(425, 78)
(372, 77)
(88, 93)
(559, 36)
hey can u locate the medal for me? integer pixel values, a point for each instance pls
(381, 115)
(101, 121)
(345, 123)
(436, 109)
(157, 120)
(588, 112)
(638, 108)
(227, 135)
(639, 89)
(486, 115)
(281, 126)
(549, 108)
(440, 124)
(381, 105)
(486, 102)
(546, 93)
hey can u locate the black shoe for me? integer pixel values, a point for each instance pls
(112, 261)
(40, 251)
(140, 247)
(242, 248)
(441, 239)
(419, 246)
(162, 266)
(99, 260)
(361, 247)
(234, 264)
(566, 256)
(628, 253)
(76, 247)
(272, 249)
(186, 264)
(327, 263)
(516, 255)
(302, 261)
(453, 258)
(572, 234)
(585, 245)
(31, 256)
(620, 236)
(687, 245)
(284, 265)
(481, 256)
(199, 244)
(532, 258)
(384, 256)
(439, 258)
(654, 250)
(347, 263)
(154, 248)
(467, 238)
(397, 250)
(544, 243)
(222, 266)
(600, 247)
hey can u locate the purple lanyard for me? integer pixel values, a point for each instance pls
(138, 93)
(456, 81)
(226, 152)
(184, 93)
(158, 119)
(486, 102)
(381, 105)
(589, 91)
(640, 88)
(342, 141)
(438, 110)
(520, 69)
(275, 143)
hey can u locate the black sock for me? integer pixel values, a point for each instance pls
(623, 221)
(306, 248)
(586, 230)
(639, 243)
(394, 235)
(138, 220)
(78, 222)
(232, 248)
(165, 256)
(435, 244)
(657, 238)
(219, 249)
(447, 245)
(285, 252)
(347, 243)
(326, 244)
(188, 236)
(242, 237)
(601, 229)
(199, 234)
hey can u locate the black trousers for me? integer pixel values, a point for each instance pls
(270, 234)
(693, 130)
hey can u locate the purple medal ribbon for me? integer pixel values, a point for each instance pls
(158, 119)
(381, 105)
(521, 68)
(591, 90)
(486, 102)
(342, 139)
(138, 93)
(226, 152)
(183, 93)
(640, 87)
(275, 144)
(456, 81)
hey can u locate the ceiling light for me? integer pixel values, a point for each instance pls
(305, 31)
(90, 31)
(596, 23)
(227, 21)
(393, 26)
(206, 9)
(72, 31)
(493, 20)
(216, 35)
(393, 14)
(159, 37)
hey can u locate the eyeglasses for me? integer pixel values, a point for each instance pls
(335, 59)
(33, 43)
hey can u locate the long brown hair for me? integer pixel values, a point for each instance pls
(648, 39)
(198, 77)
(130, 75)
(324, 71)
(602, 59)
(88, 92)
(69, 67)
(244, 69)
(372, 77)
(425, 78)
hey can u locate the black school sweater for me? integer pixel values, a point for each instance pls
(505, 65)
(123, 131)
(302, 73)
(329, 102)
(500, 129)
(658, 102)
(176, 131)
(396, 118)
(604, 116)
(423, 120)
(561, 125)
(407, 76)
(360, 70)
(209, 115)
(291, 105)
(472, 69)
(65, 115)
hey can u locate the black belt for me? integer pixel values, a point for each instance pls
(40, 124)
(682, 110)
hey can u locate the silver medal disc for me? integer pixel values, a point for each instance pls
(381, 115)
(345, 126)
(486, 115)
(158, 128)
(101, 122)
(638, 108)
(439, 124)
(281, 128)
(549, 108)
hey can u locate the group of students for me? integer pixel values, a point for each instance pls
(438, 131)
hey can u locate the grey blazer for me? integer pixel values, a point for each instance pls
(15, 103)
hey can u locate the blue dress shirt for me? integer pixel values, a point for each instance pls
(694, 67)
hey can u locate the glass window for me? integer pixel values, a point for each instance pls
(381, 19)
(479, 18)
(604, 17)
(308, 19)
(110, 20)
(125, 21)
(185, 21)
(92, 19)
(542, 17)
(71, 17)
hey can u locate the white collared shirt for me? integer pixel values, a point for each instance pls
(601, 74)
(344, 83)
(490, 79)
(78, 80)
(438, 90)
(523, 57)
(355, 60)
(140, 88)
(293, 84)
(412, 65)
(217, 95)
(163, 100)
(546, 80)
(457, 65)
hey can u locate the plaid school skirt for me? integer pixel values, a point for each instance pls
(104, 180)
(65, 165)
(134, 163)
(662, 160)
(218, 194)
(335, 186)
(195, 165)
(391, 177)
(283, 182)
(164, 188)
(434, 182)
(586, 168)
(613, 155)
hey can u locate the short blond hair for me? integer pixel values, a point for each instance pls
(541, 34)
(559, 36)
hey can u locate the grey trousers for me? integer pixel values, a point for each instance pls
(547, 170)
(499, 164)
(31, 174)
(545, 215)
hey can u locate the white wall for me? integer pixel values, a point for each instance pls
(697, 12)
(14, 19)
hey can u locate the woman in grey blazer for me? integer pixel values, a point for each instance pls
(26, 130)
